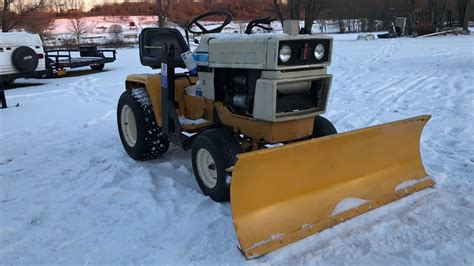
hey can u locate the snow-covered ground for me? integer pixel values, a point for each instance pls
(70, 194)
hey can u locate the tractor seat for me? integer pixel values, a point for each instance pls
(155, 41)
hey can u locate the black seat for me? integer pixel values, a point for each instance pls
(153, 44)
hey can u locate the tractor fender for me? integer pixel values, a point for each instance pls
(152, 84)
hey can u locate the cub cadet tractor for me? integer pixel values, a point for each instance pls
(249, 110)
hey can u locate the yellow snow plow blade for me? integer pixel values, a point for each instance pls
(284, 194)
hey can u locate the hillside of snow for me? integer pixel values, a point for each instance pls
(69, 194)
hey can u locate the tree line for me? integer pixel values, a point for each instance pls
(422, 15)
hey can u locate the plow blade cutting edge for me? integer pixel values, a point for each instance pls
(284, 194)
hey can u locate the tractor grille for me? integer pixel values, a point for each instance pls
(311, 99)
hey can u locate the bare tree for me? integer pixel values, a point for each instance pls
(78, 27)
(295, 8)
(41, 22)
(163, 11)
(77, 5)
(411, 16)
(432, 4)
(312, 8)
(441, 17)
(116, 31)
(463, 9)
(278, 12)
(14, 12)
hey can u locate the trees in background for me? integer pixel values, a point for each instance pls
(347, 15)
(16, 12)
(65, 6)
(116, 32)
(296, 9)
(78, 26)
(163, 11)
(464, 7)
(427, 16)
(41, 22)
(116, 36)
(126, 8)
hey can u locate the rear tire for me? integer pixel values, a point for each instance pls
(213, 152)
(97, 66)
(141, 137)
(323, 127)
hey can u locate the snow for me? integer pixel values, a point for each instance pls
(406, 184)
(69, 194)
(263, 242)
(100, 24)
(347, 204)
(186, 121)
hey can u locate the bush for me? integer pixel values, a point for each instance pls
(116, 32)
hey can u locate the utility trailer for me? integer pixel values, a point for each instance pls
(60, 59)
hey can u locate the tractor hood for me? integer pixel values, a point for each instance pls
(262, 51)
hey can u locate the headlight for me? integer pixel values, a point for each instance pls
(285, 53)
(319, 51)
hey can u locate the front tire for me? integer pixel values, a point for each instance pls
(141, 137)
(323, 127)
(213, 152)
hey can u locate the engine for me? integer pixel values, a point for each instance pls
(236, 89)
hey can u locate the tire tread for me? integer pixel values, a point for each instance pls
(154, 142)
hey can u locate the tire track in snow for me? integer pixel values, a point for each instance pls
(387, 51)
(458, 134)
(352, 76)
(396, 92)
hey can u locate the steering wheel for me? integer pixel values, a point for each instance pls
(195, 21)
(259, 23)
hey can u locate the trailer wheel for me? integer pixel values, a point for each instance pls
(214, 151)
(97, 66)
(323, 127)
(141, 137)
(49, 69)
(8, 82)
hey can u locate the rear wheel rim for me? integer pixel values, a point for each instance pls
(128, 125)
(206, 168)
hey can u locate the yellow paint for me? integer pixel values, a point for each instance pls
(283, 194)
(61, 72)
(152, 83)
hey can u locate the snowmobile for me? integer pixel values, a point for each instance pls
(249, 107)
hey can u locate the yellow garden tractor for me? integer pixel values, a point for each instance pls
(249, 108)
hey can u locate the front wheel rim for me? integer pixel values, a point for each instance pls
(128, 125)
(206, 167)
